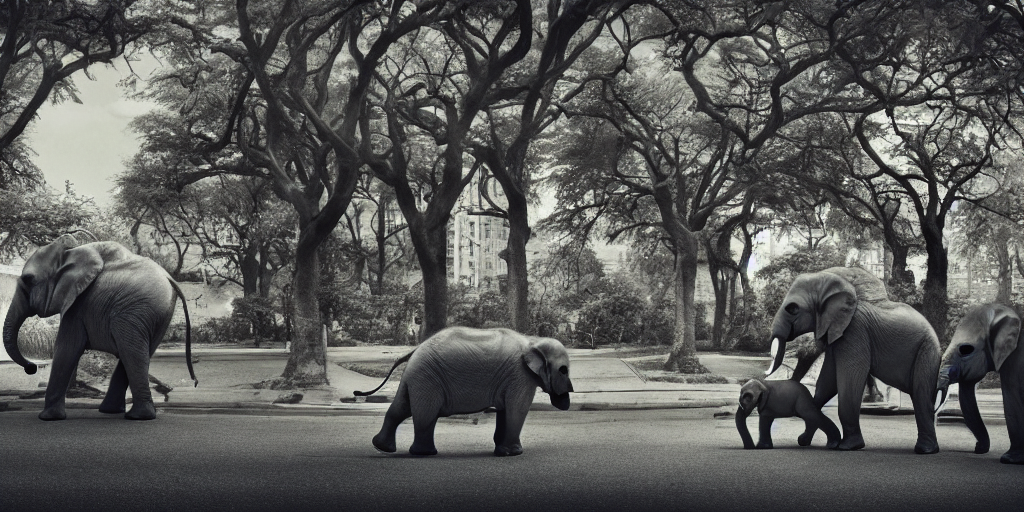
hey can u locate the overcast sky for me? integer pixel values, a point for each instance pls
(88, 143)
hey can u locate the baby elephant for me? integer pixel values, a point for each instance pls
(781, 399)
(461, 370)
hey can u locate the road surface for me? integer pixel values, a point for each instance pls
(604, 460)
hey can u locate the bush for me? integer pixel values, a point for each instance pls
(611, 318)
(219, 330)
(486, 310)
(377, 318)
(256, 315)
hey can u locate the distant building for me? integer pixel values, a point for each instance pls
(476, 237)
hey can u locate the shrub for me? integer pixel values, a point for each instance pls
(612, 318)
(487, 309)
(219, 330)
(256, 315)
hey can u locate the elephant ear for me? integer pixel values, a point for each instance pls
(1003, 335)
(79, 267)
(538, 364)
(836, 306)
(763, 399)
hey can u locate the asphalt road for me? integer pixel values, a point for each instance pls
(595, 461)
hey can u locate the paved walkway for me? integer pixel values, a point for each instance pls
(602, 380)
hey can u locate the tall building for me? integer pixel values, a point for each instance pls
(476, 237)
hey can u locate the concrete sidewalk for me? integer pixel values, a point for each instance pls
(601, 378)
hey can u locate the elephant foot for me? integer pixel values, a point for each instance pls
(926, 447)
(850, 443)
(832, 444)
(112, 408)
(56, 413)
(1013, 457)
(383, 444)
(980, 448)
(508, 451)
(422, 449)
(764, 445)
(141, 411)
(805, 439)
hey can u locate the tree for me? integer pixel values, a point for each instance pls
(535, 93)
(44, 44)
(298, 115)
(430, 104)
(37, 215)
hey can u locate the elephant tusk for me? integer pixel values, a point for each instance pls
(775, 350)
(940, 399)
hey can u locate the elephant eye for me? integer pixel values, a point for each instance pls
(792, 308)
(966, 350)
(563, 370)
(28, 279)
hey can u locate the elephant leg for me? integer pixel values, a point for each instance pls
(825, 387)
(398, 412)
(814, 421)
(850, 382)
(113, 403)
(972, 416)
(133, 345)
(425, 410)
(510, 426)
(1013, 409)
(67, 350)
(924, 386)
(764, 427)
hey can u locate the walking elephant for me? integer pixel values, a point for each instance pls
(460, 370)
(781, 399)
(864, 334)
(110, 300)
(987, 339)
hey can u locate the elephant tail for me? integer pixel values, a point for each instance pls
(188, 333)
(386, 377)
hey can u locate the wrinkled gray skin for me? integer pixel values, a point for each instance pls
(461, 370)
(110, 300)
(886, 339)
(781, 399)
(988, 339)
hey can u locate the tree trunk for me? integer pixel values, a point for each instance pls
(1005, 280)
(935, 304)
(515, 258)
(249, 266)
(683, 357)
(307, 361)
(431, 246)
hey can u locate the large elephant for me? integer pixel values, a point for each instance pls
(460, 370)
(987, 339)
(110, 300)
(864, 334)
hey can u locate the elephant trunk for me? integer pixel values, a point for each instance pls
(16, 315)
(560, 393)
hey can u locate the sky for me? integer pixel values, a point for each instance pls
(88, 143)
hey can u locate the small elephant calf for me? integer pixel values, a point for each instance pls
(781, 399)
(460, 370)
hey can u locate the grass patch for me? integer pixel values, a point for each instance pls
(652, 370)
(641, 351)
(378, 370)
(687, 378)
